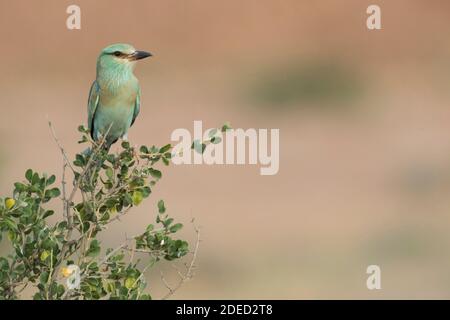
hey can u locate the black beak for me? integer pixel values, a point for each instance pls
(137, 55)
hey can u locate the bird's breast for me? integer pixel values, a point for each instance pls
(123, 95)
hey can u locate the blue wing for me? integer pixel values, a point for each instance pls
(92, 106)
(137, 106)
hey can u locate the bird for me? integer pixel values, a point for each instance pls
(115, 95)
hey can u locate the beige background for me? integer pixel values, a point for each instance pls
(364, 127)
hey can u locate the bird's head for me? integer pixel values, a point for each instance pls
(120, 57)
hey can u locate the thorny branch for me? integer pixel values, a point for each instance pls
(189, 268)
(67, 201)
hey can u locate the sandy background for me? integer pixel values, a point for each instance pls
(364, 133)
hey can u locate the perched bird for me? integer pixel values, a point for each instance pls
(114, 98)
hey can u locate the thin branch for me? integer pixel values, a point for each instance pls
(68, 200)
(66, 163)
(113, 252)
(190, 269)
(150, 264)
(64, 193)
(90, 162)
(169, 288)
(63, 152)
(119, 215)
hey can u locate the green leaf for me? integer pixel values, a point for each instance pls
(146, 191)
(51, 180)
(175, 227)
(110, 158)
(143, 149)
(61, 225)
(109, 173)
(137, 197)
(161, 206)
(155, 173)
(153, 149)
(94, 248)
(19, 187)
(53, 193)
(226, 126)
(60, 290)
(43, 278)
(83, 139)
(44, 255)
(37, 296)
(29, 175)
(108, 286)
(11, 224)
(167, 222)
(48, 213)
(78, 163)
(4, 265)
(35, 179)
(165, 148)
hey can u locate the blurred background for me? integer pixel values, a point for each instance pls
(364, 133)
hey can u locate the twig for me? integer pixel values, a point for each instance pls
(87, 167)
(63, 152)
(150, 264)
(166, 284)
(68, 200)
(64, 193)
(66, 163)
(189, 273)
(120, 215)
(113, 252)
(49, 280)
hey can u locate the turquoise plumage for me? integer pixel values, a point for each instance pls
(114, 98)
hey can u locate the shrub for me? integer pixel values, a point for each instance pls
(66, 260)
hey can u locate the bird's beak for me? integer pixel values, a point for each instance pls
(137, 55)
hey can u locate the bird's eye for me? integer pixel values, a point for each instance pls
(117, 53)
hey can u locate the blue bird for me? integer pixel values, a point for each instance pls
(114, 98)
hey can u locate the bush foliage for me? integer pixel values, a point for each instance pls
(65, 260)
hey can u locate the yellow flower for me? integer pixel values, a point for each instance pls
(66, 272)
(9, 203)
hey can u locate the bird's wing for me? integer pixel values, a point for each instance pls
(92, 106)
(137, 106)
